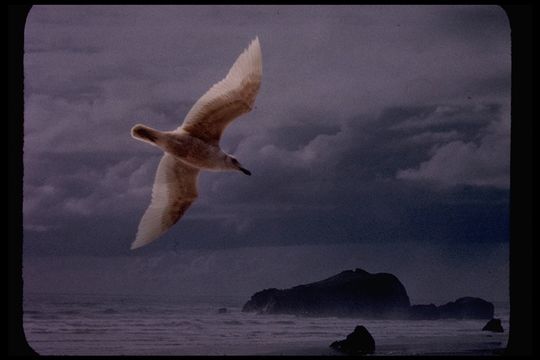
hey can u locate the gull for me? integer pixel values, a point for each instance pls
(194, 146)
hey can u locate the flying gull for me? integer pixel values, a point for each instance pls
(194, 146)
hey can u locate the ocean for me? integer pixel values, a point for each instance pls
(89, 324)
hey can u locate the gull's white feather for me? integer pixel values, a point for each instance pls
(227, 99)
(175, 188)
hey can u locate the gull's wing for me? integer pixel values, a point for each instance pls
(227, 99)
(175, 188)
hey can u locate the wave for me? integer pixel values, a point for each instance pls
(137, 328)
(232, 322)
(110, 311)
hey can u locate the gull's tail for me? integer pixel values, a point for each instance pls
(145, 133)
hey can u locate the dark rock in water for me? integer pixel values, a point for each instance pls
(222, 311)
(359, 342)
(361, 294)
(349, 293)
(424, 312)
(463, 308)
(467, 308)
(493, 325)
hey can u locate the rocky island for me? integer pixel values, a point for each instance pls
(462, 308)
(358, 293)
(349, 293)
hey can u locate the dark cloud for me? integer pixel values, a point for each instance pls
(373, 125)
(485, 26)
(483, 161)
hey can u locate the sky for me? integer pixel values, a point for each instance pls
(380, 139)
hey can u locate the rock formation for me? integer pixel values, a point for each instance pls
(467, 308)
(494, 325)
(349, 293)
(359, 342)
(361, 294)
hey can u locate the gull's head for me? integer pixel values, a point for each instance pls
(235, 165)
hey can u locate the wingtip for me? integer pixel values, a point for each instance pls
(255, 42)
(137, 244)
(256, 53)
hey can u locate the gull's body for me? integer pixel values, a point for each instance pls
(194, 146)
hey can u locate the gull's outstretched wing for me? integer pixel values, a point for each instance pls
(175, 188)
(227, 99)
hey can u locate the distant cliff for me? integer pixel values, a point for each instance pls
(349, 293)
(361, 294)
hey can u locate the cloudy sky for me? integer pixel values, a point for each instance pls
(380, 139)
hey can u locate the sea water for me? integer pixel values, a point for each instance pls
(84, 324)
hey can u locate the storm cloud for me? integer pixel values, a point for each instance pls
(373, 125)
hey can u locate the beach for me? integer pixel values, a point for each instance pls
(69, 324)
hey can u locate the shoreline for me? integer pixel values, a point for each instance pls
(127, 327)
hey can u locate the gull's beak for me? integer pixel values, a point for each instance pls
(245, 171)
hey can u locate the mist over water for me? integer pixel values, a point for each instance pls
(76, 324)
